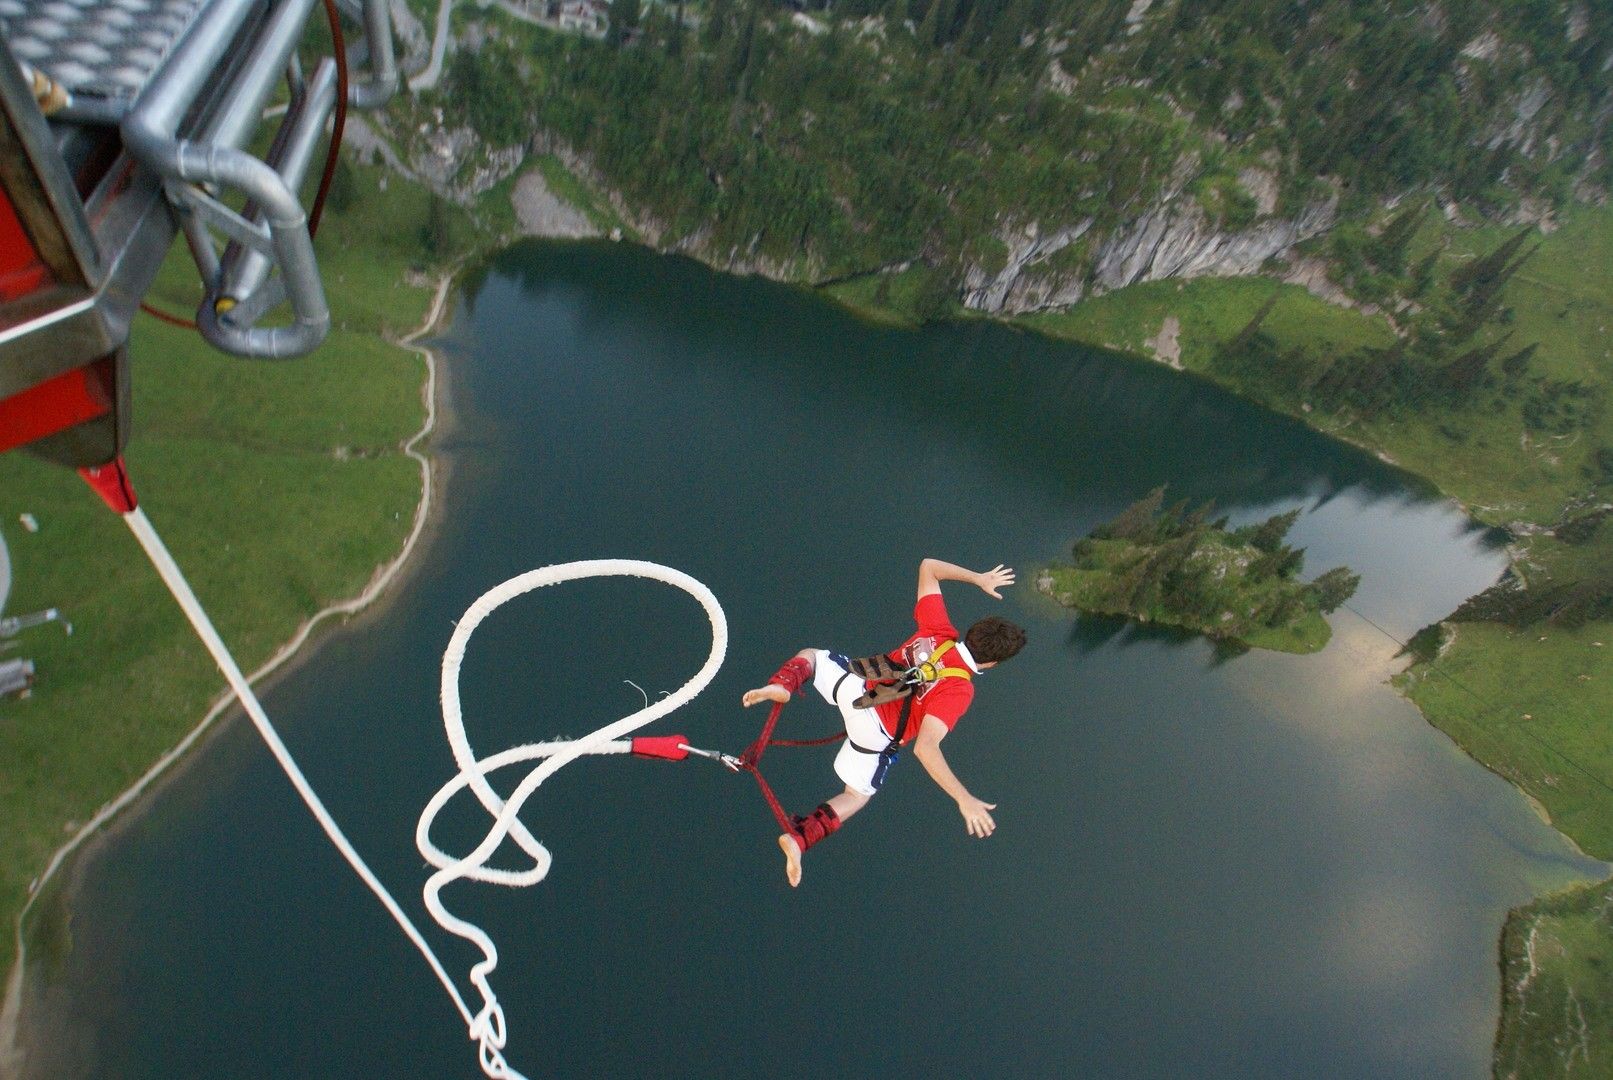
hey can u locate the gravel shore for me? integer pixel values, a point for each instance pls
(543, 213)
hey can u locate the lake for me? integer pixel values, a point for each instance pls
(1267, 865)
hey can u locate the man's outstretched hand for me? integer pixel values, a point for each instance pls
(998, 577)
(977, 816)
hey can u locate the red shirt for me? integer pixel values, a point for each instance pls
(946, 699)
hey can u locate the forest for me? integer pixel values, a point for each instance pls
(831, 142)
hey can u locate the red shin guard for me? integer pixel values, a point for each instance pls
(793, 675)
(815, 826)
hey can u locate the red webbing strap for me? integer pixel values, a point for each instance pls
(825, 741)
(752, 757)
(751, 760)
(773, 804)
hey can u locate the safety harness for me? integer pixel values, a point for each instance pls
(892, 683)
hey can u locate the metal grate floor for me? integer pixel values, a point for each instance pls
(101, 48)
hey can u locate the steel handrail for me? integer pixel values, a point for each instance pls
(150, 133)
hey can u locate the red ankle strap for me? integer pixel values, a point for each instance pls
(793, 675)
(816, 826)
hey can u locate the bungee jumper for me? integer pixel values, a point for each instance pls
(914, 693)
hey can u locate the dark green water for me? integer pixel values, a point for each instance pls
(1268, 866)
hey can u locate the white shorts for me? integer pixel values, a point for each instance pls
(869, 751)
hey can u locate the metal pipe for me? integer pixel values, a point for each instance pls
(150, 134)
(246, 270)
(375, 91)
(294, 251)
(255, 82)
(163, 102)
(200, 242)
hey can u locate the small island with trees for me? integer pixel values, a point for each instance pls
(1239, 586)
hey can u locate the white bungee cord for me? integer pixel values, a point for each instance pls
(485, 1025)
(488, 1025)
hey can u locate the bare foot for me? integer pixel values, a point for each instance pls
(792, 859)
(770, 692)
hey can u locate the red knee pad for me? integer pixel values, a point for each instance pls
(793, 675)
(815, 826)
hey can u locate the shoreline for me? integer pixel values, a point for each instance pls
(12, 1050)
(1161, 350)
(103, 825)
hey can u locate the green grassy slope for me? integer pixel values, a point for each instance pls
(1557, 968)
(278, 486)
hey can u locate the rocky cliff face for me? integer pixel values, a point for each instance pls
(1026, 282)
(1177, 240)
(1173, 239)
(1040, 269)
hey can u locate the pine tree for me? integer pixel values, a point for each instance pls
(1290, 562)
(936, 294)
(1134, 521)
(1515, 366)
(1469, 371)
(674, 41)
(1389, 250)
(1142, 585)
(624, 16)
(927, 30)
(1199, 518)
(1289, 608)
(1422, 276)
(1491, 271)
(945, 15)
(436, 235)
(1333, 588)
(1172, 523)
(1269, 534)
(1241, 342)
(715, 27)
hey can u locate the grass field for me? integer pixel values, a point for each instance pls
(1533, 705)
(1211, 311)
(279, 487)
(1557, 966)
(897, 308)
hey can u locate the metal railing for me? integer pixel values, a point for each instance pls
(269, 256)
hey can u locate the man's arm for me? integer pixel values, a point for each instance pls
(933, 571)
(927, 748)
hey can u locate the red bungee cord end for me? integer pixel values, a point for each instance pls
(670, 747)
(111, 482)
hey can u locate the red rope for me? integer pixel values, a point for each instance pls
(171, 320)
(825, 741)
(751, 760)
(338, 119)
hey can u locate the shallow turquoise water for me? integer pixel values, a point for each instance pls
(1268, 866)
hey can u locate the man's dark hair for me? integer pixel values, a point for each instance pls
(993, 639)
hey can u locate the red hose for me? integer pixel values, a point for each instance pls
(338, 118)
(171, 320)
